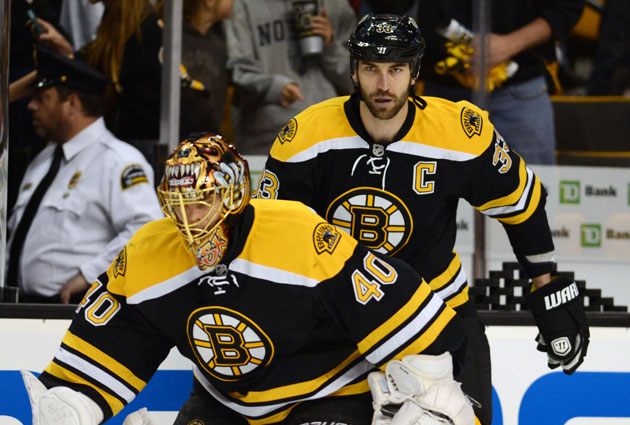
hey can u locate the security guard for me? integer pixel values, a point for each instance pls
(82, 197)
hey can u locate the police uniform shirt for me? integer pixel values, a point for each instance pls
(297, 309)
(101, 195)
(401, 198)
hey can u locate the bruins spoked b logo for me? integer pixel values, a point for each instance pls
(226, 343)
(376, 218)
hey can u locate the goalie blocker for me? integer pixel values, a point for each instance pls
(559, 314)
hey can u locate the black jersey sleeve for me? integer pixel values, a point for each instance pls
(501, 186)
(110, 351)
(388, 310)
(287, 180)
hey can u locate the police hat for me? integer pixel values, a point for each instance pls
(54, 69)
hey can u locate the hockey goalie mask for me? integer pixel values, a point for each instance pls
(205, 180)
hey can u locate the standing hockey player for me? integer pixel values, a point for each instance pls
(389, 168)
(283, 316)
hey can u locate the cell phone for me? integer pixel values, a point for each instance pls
(33, 18)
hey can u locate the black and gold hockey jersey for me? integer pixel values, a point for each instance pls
(401, 198)
(296, 310)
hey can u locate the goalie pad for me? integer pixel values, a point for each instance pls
(558, 311)
(419, 390)
(139, 417)
(59, 405)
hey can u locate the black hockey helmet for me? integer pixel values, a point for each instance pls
(386, 38)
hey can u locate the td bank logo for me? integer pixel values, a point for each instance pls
(569, 192)
(591, 235)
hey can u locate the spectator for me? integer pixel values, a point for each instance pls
(273, 338)
(273, 80)
(126, 50)
(81, 18)
(522, 32)
(204, 56)
(390, 168)
(611, 65)
(70, 222)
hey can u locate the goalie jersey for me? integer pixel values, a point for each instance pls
(296, 310)
(401, 198)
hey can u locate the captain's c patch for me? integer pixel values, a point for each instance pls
(132, 175)
(471, 122)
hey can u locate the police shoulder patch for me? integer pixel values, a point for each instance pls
(288, 132)
(132, 175)
(472, 122)
(326, 237)
(120, 263)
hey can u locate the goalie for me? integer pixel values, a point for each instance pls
(285, 318)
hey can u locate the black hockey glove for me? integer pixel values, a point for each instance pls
(559, 314)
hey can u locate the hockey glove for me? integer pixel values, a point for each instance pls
(419, 390)
(559, 314)
(59, 405)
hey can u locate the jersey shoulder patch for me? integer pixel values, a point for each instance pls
(289, 237)
(317, 123)
(155, 254)
(454, 126)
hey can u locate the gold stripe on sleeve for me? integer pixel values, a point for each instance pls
(513, 197)
(533, 204)
(64, 374)
(104, 360)
(446, 276)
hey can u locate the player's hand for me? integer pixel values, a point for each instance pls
(59, 405)
(559, 314)
(53, 38)
(290, 93)
(320, 25)
(76, 285)
(419, 390)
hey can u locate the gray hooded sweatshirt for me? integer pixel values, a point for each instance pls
(263, 56)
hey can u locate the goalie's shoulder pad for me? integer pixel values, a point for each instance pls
(557, 293)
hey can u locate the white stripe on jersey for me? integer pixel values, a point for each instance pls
(95, 373)
(402, 337)
(168, 286)
(455, 286)
(339, 143)
(520, 205)
(272, 274)
(418, 149)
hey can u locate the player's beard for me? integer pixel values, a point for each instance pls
(379, 111)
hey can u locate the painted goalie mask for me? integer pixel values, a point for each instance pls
(205, 180)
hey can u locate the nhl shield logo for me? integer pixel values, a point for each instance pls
(326, 237)
(471, 122)
(378, 150)
(288, 132)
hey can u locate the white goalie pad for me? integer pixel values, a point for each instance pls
(59, 405)
(419, 390)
